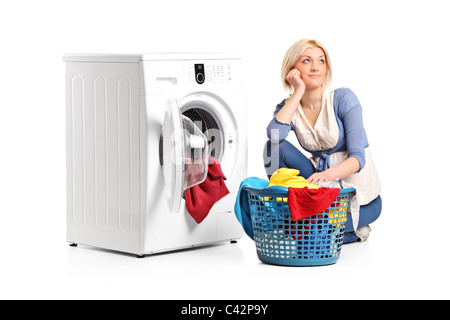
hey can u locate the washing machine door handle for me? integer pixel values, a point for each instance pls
(172, 149)
(185, 156)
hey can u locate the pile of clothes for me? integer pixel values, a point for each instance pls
(304, 199)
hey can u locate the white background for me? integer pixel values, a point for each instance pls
(392, 54)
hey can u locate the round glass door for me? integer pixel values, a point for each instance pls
(185, 154)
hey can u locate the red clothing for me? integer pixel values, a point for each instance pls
(304, 202)
(200, 198)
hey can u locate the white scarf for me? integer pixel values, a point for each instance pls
(325, 133)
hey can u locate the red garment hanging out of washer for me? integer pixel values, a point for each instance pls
(200, 198)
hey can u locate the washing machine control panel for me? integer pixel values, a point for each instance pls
(215, 72)
(199, 73)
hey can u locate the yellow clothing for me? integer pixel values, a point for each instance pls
(289, 178)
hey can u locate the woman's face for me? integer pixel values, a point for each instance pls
(313, 67)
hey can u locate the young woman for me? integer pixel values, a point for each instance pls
(328, 124)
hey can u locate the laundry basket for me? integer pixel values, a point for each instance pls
(314, 241)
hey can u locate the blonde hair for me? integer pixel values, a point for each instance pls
(294, 53)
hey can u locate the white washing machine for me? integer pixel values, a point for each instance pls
(132, 148)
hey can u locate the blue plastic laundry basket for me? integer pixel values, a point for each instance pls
(314, 241)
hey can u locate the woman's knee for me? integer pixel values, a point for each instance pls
(271, 157)
(375, 208)
(285, 155)
(378, 204)
(370, 212)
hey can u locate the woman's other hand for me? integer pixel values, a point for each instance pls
(319, 177)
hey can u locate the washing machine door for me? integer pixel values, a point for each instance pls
(185, 154)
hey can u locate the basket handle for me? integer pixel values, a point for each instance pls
(271, 189)
(281, 189)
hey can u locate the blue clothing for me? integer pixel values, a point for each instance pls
(352, 136)
(367, 214)
(289, 157)
(370, 213)
(241, 207)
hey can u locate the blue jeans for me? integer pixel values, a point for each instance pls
(290, 157)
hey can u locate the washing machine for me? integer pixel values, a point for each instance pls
(140, 130)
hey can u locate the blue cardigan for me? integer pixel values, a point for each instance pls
(352, 136)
